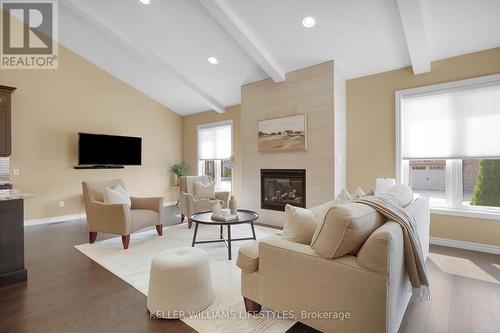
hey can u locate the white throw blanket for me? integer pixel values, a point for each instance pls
(387, 205)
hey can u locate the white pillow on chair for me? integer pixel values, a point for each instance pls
(118, 195)
(204, 191)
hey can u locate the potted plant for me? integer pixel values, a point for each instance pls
(179, 169)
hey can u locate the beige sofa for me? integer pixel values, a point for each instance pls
(119, 218)
(369, 284)
(187, 202)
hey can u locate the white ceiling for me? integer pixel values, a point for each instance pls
(162, 48)
(455, 27)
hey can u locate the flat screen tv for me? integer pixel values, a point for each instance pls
(108, 150)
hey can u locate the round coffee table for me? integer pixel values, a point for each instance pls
(244, 216)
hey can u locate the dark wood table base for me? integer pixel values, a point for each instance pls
(227, 240)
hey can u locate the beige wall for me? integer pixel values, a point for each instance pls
(371, 132)
(307, 91)
(50, 107)
(190, 140)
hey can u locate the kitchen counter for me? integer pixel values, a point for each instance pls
(14, 194)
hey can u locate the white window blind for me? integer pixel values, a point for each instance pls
(454, 124)
(214, 143)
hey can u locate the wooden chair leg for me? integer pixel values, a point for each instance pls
(125, 241)
(159, 229)
(190, 223)
(92, 237)
(251, 306)
(182, 217)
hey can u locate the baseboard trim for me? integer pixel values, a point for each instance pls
(486, 248)
(72, 217)
(54, 219)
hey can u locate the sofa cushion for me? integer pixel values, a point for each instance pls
(300, 224)
(323, 209)
(248, 255)
(321, 212)
(344, 229)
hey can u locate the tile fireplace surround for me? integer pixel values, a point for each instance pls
(280, 187)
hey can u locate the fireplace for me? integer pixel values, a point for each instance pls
(279, 187)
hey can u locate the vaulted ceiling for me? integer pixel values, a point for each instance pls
(162, 48)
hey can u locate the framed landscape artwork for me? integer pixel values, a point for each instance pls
(283, 134)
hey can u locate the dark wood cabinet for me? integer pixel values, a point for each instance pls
(5, 120)
(12, 268)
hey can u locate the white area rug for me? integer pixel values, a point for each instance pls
(227, 312)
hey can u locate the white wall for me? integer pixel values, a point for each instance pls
(339, 122)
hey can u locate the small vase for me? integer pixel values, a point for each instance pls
(232, 205)
(217, 208)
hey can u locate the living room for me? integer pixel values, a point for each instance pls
(269, 166)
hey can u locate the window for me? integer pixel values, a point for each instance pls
(448, 144)
(214, 153)
(428, 178)
(481, 183)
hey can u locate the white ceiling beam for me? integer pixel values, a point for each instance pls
(413, 26)
(79, 8)
(237, 29)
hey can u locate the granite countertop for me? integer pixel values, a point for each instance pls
(14, 194)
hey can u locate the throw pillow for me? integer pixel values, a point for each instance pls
(358, 193)
(345, 228)
(300, 224)
(403, 194)
(118, 195)
(382, 184)
(343, 196)
(204, 191)
(321, 211)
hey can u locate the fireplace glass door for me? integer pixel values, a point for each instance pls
(282, 187)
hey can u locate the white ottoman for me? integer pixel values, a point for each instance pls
(180, 283)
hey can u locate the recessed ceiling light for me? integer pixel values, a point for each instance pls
(308, 21)
(146, 2)
(213, 60)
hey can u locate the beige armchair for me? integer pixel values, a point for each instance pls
(189, 205)
(118, 218)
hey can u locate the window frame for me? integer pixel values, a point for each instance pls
(211, 125)
(454, 186)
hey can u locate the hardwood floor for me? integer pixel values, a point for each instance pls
(465, 294)
(68, 292)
